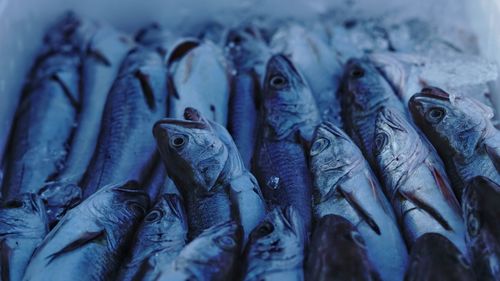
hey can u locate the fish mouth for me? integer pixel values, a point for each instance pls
(161, 126)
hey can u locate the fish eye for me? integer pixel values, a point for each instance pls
(472, 224)
(178, 141)
(357, 72)
(225, 242)
(265, 229)
(381, 141)
(278, 82)
(435, 114)
(319, 145)
(154, 216)
(356, 237)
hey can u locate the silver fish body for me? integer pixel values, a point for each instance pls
(462, 131)
(345, 185)
(23, 225)
(137, 99)
(89, 241)
(158, 240)
(276, 247)
(211, 256)
(415, 181)
(480, 205)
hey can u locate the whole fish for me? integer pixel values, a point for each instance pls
(435, 258)
(415, 181)
(211, 256)
(249, 55)
(199, 78)
(314, 58)
(338, 252)
(103, 49)
(289, 116)
(363, 93)
(159, 239)
(23, 225)
(90, 240)
(204, 163)
(44, 123)
(137, 99)
(461, 130)
(345, 185)
(480, 204)
(276, 247)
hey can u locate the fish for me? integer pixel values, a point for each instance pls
(434, 257)
(249, 54)
(415, 181)
(315, 60)
(102, 50)
(288, 119)
(23, 225)
(89, 242)
(155, 37)
(158, 241)
(462, 131)
(344, 185)
(363, 93)
(44, 122)
(203, 161)
(137, 99)
(211, 256)
(338, 252)
(275, 250)
(199, 78)
(480, 205)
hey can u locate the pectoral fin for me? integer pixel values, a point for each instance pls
(147, 89)
(84, 239)
(428, 208)
(357, 204)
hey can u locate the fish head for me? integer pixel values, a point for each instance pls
(435, 255)
(332, 156)
(129, 194)
(362, 85)
(192, 151)
(166, 222)
(287, 99)
(280, 236)
(394, 140)
(453, 123)
(23, 214)
(480, 208)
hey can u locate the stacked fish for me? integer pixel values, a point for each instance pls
(279, 151)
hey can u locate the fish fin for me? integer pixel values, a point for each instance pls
(425, 206)
(69, 86)
(147, 90)
(180, 49)
(85, 238)
(444, 186)
(494, 155)
(99, 56)
(171, 88)
(363, 213)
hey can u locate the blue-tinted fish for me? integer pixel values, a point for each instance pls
(481, 209)
(90, 240)
(435, 258)
(276, 247)
(461, 130)
(345, 185)
(338, 252)
(159, 239)
(288, 119)
(23, 225)
(126, 150)
(415, 181)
